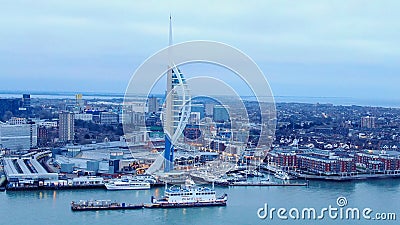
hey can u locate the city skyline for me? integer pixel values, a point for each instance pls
(314, 49)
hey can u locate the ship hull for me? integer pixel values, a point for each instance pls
(185, 205)
(73, 208)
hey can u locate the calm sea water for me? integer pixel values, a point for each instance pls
(52, 207)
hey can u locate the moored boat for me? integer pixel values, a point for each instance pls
(94, 205)
(280, 174)
(127, 184)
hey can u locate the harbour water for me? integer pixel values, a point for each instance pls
(53, 207)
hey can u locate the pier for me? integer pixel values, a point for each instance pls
(260, 184)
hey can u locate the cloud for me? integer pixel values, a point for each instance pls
(304, 40)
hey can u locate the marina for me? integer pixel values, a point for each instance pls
(241, 207)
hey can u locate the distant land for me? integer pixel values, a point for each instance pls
(391, 103)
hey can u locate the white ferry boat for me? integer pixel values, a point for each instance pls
(127, 184)
(188, 195)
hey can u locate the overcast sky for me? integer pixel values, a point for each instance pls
(305, 48)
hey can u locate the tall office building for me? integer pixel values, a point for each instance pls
(79, 103)
(152, 104)
(42, 136)
(368, 122)
(66, 126)
(26, 101)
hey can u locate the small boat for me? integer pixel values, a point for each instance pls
(280, 174)
(236, 178)
(146, 178)
(127, 184)
(188, 195)
(94, 205)
(251, 173)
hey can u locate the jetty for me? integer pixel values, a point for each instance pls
(245, 183)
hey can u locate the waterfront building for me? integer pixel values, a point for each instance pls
(18, 136)
(66, 126)
(29, 169)
(283, 158)
(315, 161)
(378, 161)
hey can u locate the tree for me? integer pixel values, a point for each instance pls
(7, 115)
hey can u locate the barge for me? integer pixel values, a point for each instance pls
(94, 205)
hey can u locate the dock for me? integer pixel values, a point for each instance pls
(260, 184)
